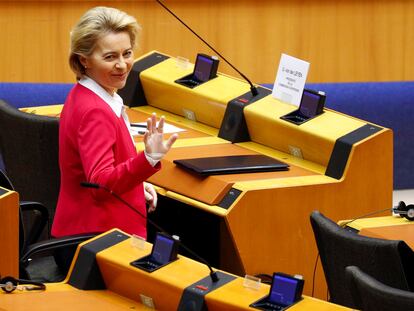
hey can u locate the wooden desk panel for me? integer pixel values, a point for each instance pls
(385, 227)
(125, 284)
(267, 228)
(9, 233)
(403, 232)
(210, 189)
(65, 297)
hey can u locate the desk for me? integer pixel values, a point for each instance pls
(124, 284)
(259, 222)
(9, 233)
(388, 227)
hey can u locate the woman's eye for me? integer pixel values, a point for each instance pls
(128, 54)
(109, 57)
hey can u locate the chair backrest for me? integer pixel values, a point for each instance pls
(387, 260)
(29, 146)
(373, 295)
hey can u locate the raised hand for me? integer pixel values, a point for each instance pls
(154, 137)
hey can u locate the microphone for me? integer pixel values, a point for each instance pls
(213, 275)
(253, 89)
(366, 215)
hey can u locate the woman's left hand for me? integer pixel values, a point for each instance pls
(150, 196)
(154, 137)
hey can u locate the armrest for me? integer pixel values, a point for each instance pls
(39, 221)
(53, 244)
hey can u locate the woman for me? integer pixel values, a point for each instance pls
(95, 144)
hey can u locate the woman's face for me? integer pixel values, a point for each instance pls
(111, 61)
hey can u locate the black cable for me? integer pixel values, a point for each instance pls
(314, 275)
(213, 274)
(253, 89)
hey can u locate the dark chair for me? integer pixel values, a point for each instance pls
(33, 217)
(29, 148)
(37, 259)
(373, 295)
(387, 260)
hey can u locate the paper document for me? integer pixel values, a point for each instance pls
(290, 79)
(141, 127)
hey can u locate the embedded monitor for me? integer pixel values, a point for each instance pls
(205, 68)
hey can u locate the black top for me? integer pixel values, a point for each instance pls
(232, 164)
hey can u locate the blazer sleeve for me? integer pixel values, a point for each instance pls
(97, 137)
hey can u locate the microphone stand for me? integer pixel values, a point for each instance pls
(253, 89)
(213, 275)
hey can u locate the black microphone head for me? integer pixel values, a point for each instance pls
(254, 91)
(214, 277)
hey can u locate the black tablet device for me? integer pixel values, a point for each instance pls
(285, 291)
(311, 105)
(205, 69)
(232, 164)
(164, 250)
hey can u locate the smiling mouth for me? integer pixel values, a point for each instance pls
(120, 75)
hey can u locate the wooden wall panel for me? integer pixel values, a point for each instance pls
(344, 40)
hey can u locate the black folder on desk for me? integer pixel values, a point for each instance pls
(232, 164)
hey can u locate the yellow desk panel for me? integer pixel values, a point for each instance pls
(266, 127)
(266, 228)
(162, 92)
(126, 285)
(373, 222)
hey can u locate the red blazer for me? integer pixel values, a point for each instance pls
(95, 146)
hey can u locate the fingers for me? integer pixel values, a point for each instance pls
(145, 138)
(171, 141)
(161, 125)
(150, 196)
(152, 124)
(154, 136)
(154, 201)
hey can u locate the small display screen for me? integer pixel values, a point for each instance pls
(283, 290)
(162, 249)
(309, 104)
(203, 67)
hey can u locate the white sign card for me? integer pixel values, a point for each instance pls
(290, 79)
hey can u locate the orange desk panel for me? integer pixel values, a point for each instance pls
(393, 232)
(9, 233)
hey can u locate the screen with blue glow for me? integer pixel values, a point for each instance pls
(202, 70)
(309, 104)
(161, 251)
(283, 290)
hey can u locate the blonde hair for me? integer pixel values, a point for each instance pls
(94, 24)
